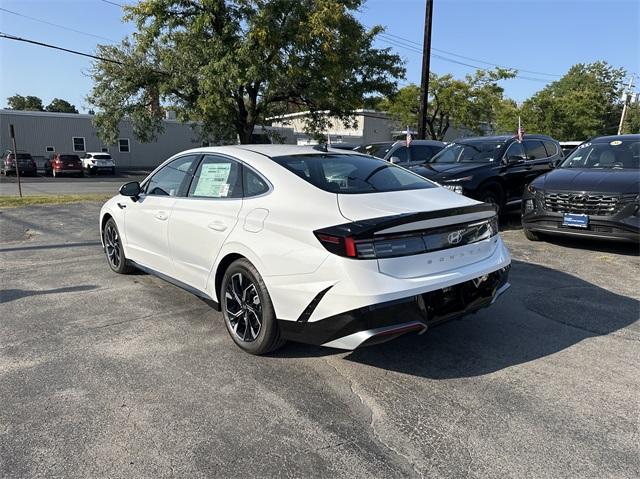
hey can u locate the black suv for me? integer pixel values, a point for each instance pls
(418, 152)
(25, 162)
(493, 169)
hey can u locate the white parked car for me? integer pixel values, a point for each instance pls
(295, 243)
(96, 162)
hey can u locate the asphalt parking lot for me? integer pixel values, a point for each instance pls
(128, 376)
(47, 185)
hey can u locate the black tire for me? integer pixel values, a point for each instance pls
(113, 249)
(247, 309)
(530, 235)
(493, 194)
(81, 174)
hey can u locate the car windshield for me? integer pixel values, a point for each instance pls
(69, 157)
(21, 156)
(379, 150)
(102, 157)
(350, 174)
(613, 154)
(470, 151)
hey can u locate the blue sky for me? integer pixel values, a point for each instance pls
(543, 36)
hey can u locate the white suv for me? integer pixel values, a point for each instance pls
(98, 162)
(325, 247)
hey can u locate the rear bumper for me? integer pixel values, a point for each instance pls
(382, 322)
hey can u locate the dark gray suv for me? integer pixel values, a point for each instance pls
(418, 152)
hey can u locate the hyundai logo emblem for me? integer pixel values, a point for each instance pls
(579, 198)
(455, 237)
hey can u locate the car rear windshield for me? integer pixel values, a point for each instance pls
(352, 174)
(21, 156)
(470, 151)
(102, 157)
(612, 154)
(379, 150)
(69, 157)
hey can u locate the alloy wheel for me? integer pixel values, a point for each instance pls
(112, 245)
(243, 307)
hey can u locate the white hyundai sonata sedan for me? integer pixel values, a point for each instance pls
(298, 243)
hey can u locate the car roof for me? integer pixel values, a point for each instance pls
(533, 136)
(604, 139)
(97, 153)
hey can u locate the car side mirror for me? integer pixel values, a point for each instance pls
(131, 189)
(555, 163)
(513, 159)
(394, 160)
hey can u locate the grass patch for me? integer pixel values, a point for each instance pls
(16, 201)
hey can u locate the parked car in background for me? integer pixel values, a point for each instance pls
(492, 169)
(98, 162)
(397, 152)
(25, 163)
(569, 146)
(60, 164)
(594, 192)
(343, 146)
(325, 247)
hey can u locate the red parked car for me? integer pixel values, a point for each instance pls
(64, 164)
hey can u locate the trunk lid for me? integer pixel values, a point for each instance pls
(431, 215)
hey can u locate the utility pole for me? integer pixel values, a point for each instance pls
(426, 61)
(12, 134)
(627, 97)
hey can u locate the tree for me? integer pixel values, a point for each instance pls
(632, 121)
(585, 102)
(61, 106)
(19, 102)
(472, 103)
(228, 65)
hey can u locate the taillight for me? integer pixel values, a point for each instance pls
(342, 246)
(407, 244)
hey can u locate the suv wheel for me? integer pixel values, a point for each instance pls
(247, 309)
(113, 249)
(494, 195)
(530, 235)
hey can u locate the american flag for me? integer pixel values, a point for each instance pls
(409, 137)
(520, 132)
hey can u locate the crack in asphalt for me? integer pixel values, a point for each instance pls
(372, 424)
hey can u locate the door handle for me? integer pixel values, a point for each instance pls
(218, 226)
(121, 205)
(161, 215)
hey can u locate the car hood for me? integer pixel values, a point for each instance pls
(600, 181)
(375, 205)
(445, 171)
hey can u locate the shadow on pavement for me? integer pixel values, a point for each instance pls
(545, 311)
(52, 246)
(7, 295)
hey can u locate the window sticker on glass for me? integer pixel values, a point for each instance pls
(615, 143)
(214, 180)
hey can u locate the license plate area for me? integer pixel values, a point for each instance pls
(574, 220)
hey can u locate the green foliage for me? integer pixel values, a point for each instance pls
(585, 102)
(632, 121)
(19, 102)
(228, 65)
(472, 103)
(61, 106)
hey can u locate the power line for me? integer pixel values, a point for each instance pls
(406, 40)
(114, 3)
(451, 60)
(56, 25)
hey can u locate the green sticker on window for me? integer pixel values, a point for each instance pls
(214, 180)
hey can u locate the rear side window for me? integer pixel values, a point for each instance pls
(351, 174)
(217, 177)
(167, 180)
(253, 185)
(551, 147)
(534, 149)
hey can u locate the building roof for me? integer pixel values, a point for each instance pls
(55, 114)
(359, 111)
